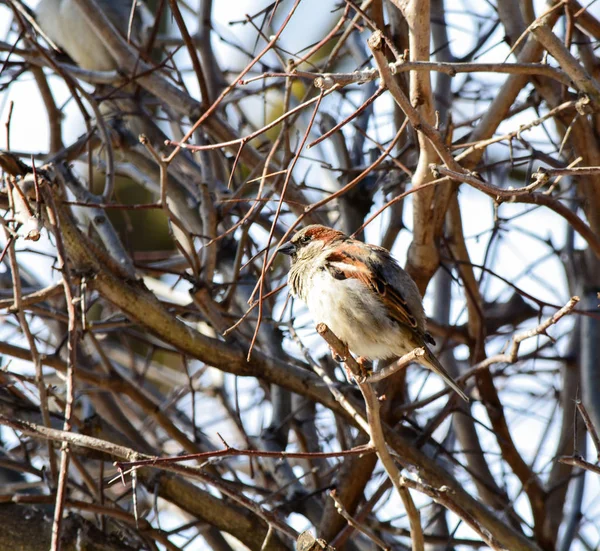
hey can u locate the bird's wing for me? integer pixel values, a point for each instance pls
(347, 264)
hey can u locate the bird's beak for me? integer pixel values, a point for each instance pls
(287, 248)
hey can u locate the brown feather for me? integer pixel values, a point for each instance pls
(390, 296)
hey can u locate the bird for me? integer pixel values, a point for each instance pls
(64, 22)
(362, 294)
(66, 26)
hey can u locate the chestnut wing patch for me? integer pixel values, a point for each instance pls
(344, 265)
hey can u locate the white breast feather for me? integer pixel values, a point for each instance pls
(66, 25)
(355, 314)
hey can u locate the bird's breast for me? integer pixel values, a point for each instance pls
(353, 312)
(65, 23)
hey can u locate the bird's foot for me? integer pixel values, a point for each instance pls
(336, 357)
(366, 368)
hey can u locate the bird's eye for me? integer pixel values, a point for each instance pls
(305, 239)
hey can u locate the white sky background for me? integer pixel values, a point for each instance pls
(516, 251)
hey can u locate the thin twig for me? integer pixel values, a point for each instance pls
(399, 364)
(354, 523)
(72, 343)
(512, 355)
(230, 451)
(589, 426)
(580, 462)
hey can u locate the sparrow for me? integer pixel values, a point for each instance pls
(362, 294)
(64, 22)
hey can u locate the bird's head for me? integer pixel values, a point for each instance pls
(309, 242)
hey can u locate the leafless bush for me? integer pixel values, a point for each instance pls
(146, 314)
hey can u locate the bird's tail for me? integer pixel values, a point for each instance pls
(433, 363)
